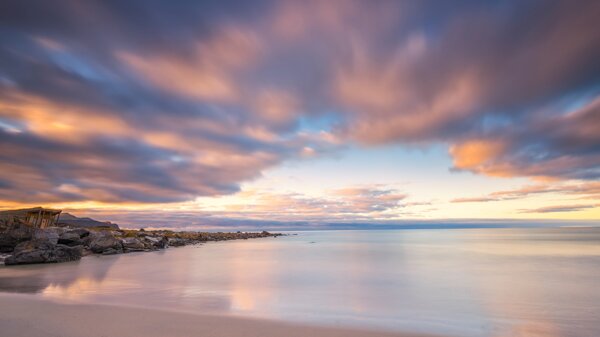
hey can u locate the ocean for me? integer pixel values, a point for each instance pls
(454, 282)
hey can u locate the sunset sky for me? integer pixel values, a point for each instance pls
(191, 113)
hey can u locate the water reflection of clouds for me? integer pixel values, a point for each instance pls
(253, 275)
(559, 242)
(38, 278)
(82, 288)
(515, 282)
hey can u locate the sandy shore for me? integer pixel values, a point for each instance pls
(29, 316)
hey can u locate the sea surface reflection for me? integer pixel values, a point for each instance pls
(467, 282)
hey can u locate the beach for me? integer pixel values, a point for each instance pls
(29, 316)
(457, 282)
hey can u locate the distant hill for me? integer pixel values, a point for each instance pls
(73, 221)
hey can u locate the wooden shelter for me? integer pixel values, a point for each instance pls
(38, 217)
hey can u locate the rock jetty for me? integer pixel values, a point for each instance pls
(27, 245)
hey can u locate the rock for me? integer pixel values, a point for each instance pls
(64, 253)
(10, 238)
(105, 241)
(176, 242)
(116, 233)
(43, 251)
(162, 243)
(70, 239)
(87, 252)
(82, 232)
(111, 251)
(87, 240)
(153, 242)
(49, 234)
(133, 244)
(3, 257)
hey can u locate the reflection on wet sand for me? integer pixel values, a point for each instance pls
(41, 278)
(137, 279)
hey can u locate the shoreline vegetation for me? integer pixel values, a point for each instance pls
(21, 243)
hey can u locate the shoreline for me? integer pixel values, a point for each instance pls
(31, 316)
(28, 245)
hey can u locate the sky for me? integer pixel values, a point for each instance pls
(208, 113)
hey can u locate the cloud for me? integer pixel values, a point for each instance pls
(559, 209)
(206, 74)
(147, 101)
(368, 202)
(565, 146)
(256, 208)
(475, 199)
(450, 81)
(583, 189)
(91, 114)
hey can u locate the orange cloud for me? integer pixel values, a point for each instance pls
(559, 208)
(582, 189)
(478, 155)
(207, 74)
(57, 120)
(368, 202)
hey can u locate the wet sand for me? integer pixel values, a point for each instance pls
(29, 316)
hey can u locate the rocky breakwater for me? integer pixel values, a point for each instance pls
(27, 245)
(44, 246)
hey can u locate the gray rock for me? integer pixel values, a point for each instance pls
(82, 232)
(10, 238)
(105, 241)
(3, 257)
(111, 251)
(70, 239)
(87, 240)
(156, 242)
(133, 244)
(47, 234)
(176, 242)
(43, 251)
(64, 253)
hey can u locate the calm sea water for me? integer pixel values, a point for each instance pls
(463, 282)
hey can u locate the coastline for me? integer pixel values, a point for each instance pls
(25, 244)
(30, 316)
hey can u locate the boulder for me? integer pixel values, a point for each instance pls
(70, 239)
(156, 242)
(133, 245)
(87, 240)
(104, 241)
(10, 238)
(43, 251)
(82, 232)
(64, 253)
(111, 251)
(176, 242)
(47, 234)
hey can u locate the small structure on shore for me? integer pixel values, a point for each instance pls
(37, 217)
